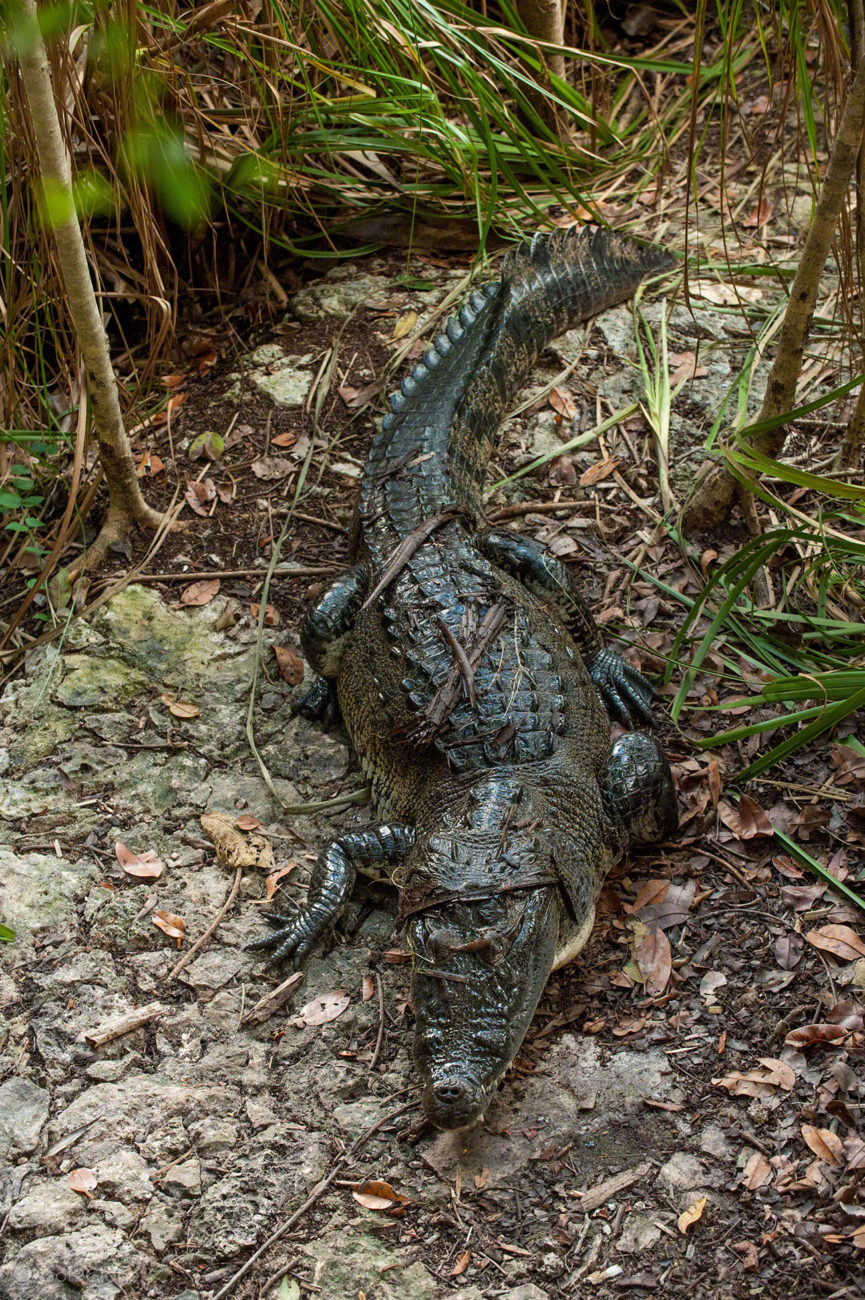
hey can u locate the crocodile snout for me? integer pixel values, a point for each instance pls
(453, 1100)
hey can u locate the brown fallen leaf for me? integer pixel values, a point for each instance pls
(284, 440)
(690, 1216)
(825, 1144)
(753, 819)
(269, 468)
(168, 923)
(151, 464)
(824, 1035)
(246, 822)
(762, 1082)
(272, 615)
(200, 593)
(143, 866)
(757, 1172)
(482, 1179)
(374, 1195)
(749, 1255)
(199, 495)
(648, 892)
(272, 880)
(404, 325)
(462, 1263)
(850, 1015)
(320, 1011)
(758, 216)
(840, 940)
(598, 472)
(788, 950)
(709, 985)
(367, 988)
(654, 958)
(83, 1181)
(563, 403)
(183, 709)
(290, 665)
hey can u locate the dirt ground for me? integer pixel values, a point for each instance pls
(684, 1116)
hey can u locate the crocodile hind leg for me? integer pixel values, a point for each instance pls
(638, 790)
(626, 693)
(329, 889)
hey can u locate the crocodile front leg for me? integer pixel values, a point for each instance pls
(638, 790)
(329, 623)
(626, 693)
(329, 889)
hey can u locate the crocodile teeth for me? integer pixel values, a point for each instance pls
(442, 345)
(467, 316)
(455, 331)
(478, 300)
(408, 386)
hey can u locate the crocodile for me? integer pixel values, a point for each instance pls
(477, 693)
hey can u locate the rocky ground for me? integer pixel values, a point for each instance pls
(663, 1130)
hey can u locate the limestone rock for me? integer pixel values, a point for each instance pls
(49, 1205)
(23, 1111)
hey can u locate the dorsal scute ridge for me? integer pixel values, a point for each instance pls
(455, 330)
(601, 254)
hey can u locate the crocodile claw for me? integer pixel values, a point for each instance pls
(626, 693)
(294, 938)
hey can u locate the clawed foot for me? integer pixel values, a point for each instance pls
(626, 693)
(319, 703)
(294, 938)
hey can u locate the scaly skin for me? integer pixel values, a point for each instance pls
(473, 687)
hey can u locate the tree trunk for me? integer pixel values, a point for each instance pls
(715, 486)
(126, 503)
(545, 21)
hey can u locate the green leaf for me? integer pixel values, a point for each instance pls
(289, 1289)
(6, 935)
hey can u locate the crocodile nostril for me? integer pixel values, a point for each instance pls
(449, 1093)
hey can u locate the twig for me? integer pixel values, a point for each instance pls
(198, 575)
(378, 1040)
(406, 549)
(532, 507)
(462, 660)
(272, 1001)
(315, 1195)
(124, 1024)
(187, 956)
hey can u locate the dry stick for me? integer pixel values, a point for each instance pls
(125, 1024)
(315, 1195)
(126, 505)
(716, 486)
(380, 1037)
(187, 956)
(198, 575)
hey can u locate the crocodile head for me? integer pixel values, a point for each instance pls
(479, 970)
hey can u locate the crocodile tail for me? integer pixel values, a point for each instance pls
(435, 443)
(548, 286)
